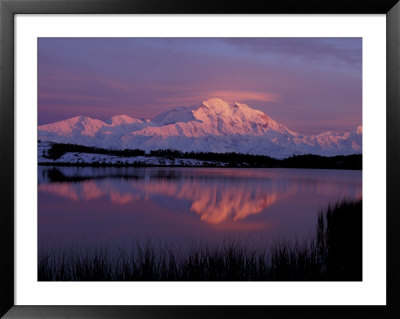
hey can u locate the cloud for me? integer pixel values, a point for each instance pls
(344, 50)
(66, 96)
(293, 80)
(114, 84)
(235, 95)
(192, 97)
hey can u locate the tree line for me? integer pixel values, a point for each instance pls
(231, 159)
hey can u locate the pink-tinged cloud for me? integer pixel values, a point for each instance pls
(309, 84)
(64, 96)
(114, 84)
(234, 95)
(191, 97)
(65, 75)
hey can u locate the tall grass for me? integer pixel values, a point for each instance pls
(334, 253)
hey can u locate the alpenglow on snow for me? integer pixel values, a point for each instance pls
(213, 126)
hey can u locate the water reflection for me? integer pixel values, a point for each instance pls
(215, 195)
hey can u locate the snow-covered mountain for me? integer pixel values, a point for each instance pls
(212, 126)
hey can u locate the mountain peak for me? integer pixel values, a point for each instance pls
(216, 104)
(82, 125)
(72, 121)
(212, 126)
(122, 119)
(76, 119)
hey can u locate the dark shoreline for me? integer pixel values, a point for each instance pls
(178, 166)
(209, 159)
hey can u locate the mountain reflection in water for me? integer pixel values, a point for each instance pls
(246, 199)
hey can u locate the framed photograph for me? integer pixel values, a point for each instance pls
(192, 160)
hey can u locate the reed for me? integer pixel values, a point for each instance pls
(334, 253)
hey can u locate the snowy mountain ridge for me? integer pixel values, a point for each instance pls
(212, 126)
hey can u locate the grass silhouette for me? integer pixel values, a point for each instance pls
(334, 253)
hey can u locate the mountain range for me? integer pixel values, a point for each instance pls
(213, 126)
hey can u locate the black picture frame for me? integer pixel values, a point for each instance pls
(8, 8)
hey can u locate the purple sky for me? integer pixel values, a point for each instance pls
(309, 84)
